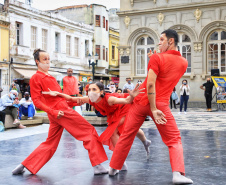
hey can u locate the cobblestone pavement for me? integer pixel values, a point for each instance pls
(196, 119)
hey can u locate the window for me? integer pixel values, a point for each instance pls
(106, 54)
(33, 37)
(57, 42)
(76, 47)
(86, 47)
(103, 22)
(113, 52)
(44, 39)
(18, 33)
(97, 20)
(68, 45)
(98, 50)
(103, 52)
(184, 46)
(143, 47)
(217, 51)
(106, 25)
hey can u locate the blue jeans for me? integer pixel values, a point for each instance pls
(184, 100)
(30, 111)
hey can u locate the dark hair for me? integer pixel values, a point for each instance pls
(101, 87)
(90, 79)
(185, 80)
(171, 34)
(125, 91)
(119, 89)
(36, 54)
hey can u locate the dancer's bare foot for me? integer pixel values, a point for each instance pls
(181, 179)
(99, 169)
(147, 143)
(18, 170)
(21, 126)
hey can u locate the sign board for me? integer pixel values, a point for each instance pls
(115, 79)
(84, 78)
(124, 59)
(220, 84)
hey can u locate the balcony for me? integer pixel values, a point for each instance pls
(21, 52)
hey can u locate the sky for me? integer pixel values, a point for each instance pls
(53, 4)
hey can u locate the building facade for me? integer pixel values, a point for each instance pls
(97, 16)
(4, 50)
(201, 27)
(65, 40)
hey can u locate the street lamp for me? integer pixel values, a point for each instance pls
(93, 64)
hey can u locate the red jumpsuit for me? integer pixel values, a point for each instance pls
(70, 85)
(114, 114)
(75, 124)
(169, 68)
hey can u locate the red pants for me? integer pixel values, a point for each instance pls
(169, 133)
(78, 127)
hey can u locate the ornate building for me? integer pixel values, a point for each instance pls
(201, 27)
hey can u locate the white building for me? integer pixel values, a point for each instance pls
(97, 16)
(66, 41)
(201, 27)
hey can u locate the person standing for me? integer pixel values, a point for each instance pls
(61, 117)
(164, 71)
(208, 92)
(112, 87)
(88, 106)
(70, 84)
(184, 96)
(128, 85)
(173, 98)
(17, 85)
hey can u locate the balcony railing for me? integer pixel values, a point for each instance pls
(21, 51)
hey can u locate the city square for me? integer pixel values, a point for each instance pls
(124, 92)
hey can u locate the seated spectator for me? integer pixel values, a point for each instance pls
(2, 113)
(9, 106)
(112, 87)
(27, 107)
(119, 91)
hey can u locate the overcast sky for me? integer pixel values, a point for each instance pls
(53, 4)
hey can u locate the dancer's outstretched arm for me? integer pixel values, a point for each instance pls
(79, 100)
(132, 94)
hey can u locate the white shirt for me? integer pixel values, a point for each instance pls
(24, 102)
(184, 87)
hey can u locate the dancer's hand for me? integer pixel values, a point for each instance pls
(51, 93)
(159, 117)
(80, 101)
(60, 114)
(135, 91)
(150, 53)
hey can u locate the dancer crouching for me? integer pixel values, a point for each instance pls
(60, 116)
(115, 106)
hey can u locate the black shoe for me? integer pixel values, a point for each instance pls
(147, 119)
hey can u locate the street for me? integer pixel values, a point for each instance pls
(203, 137)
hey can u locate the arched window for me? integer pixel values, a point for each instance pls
(184, 46)
(143, 47)
(216, 51)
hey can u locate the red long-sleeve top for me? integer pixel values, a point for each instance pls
(70, 85)
(41, 82)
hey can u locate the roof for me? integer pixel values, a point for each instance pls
(74, 6)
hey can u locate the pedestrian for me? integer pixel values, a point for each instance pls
(60, 116)
(129, 85)
(112, 87)
(15, 84)
(184, 96)
(88, 106)
(164, 71)
(27, 107)
(80, 88)
(208, 93)
(115, 107)
(173, 98)
(139, 82)
(10, 104)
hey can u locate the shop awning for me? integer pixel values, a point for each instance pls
(28, 73)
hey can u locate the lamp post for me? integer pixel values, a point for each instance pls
(93, 64)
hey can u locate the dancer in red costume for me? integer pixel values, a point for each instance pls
(115, 106)
(164, 71)
(60, 116)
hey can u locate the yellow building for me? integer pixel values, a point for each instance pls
(113, 51)
(4, 51)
